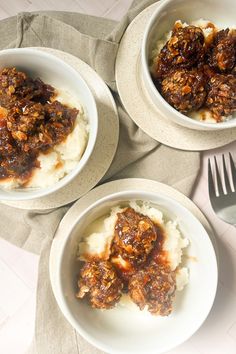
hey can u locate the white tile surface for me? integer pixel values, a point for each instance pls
(3, 315)
(18, 269)
(13, 6)
(14, 292)
(36, 5)
(3, 14)
(117, 10)
(232, 331)
(17, 332)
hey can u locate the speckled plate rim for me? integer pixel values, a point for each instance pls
(105, 147)
(139, 105)
(67, 223)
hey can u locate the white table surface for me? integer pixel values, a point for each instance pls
(18, 269)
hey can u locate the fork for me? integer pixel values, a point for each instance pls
(222, 195)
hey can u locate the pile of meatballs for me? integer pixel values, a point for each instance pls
(32, 121)
(136, 266)
(193, 72)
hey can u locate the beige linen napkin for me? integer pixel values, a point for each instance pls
(96, 41)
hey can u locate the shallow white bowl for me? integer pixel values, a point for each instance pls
(126, 330)
(62, 76)
(221, 13)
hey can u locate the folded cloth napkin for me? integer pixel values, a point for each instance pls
(96, 41)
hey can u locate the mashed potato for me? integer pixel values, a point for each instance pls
(63, 158)
(98, 238)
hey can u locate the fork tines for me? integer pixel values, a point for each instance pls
(222, 184)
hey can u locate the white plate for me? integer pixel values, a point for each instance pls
(105, 147)
(139, 105)
(125, 330)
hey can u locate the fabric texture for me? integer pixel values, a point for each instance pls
(95, 41)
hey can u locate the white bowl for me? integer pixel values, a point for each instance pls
(125, 330)
(221, 13)
(60, 75)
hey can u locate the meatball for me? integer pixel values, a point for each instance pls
(99, 281)
(221, 99)
(16, 88)
(12, 162)
(183, 50)
(36, 126)
(154, 287)
(16, 85)
(41, 92)
(222, 53)
(23, 120)
(184, 89)
(12, 81)
(135, 235)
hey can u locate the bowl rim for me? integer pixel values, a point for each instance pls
(61, 298)
(186, 121)
(11, 195)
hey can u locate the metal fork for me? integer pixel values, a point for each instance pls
(222, 195)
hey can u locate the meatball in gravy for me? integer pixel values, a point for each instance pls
(222, 53)
(221, 99)
(135, 235)
(100, 283)
(184, 89)
(154, 287)
(183, 50)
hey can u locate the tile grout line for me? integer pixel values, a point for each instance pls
(107, 10)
